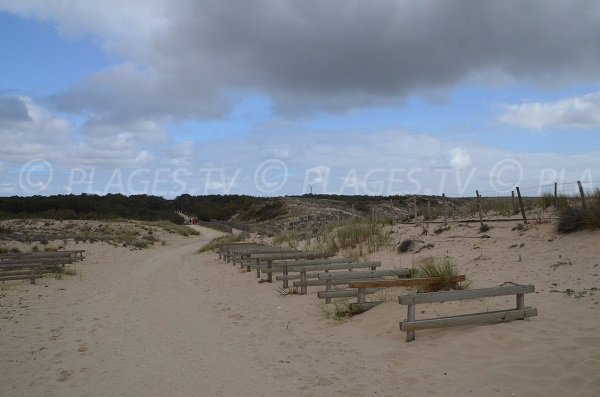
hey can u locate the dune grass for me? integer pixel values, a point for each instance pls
(578, 218)
(442, 268)
(227, 239)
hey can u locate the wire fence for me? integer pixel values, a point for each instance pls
(523, 204)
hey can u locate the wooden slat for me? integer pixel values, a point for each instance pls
(299, 255)
(23, 277)
(446, 296)
(333, 266)
(494, 317)
(346, 293)
(315, 282)
(365, 275)
(405, 282)
(296, 276)
(281, 264)
(357, 308)
(311, 262)
(29, 265)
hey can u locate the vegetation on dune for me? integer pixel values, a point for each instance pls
(227, 239)
(442, 268)
(356, 238)
(579, 218)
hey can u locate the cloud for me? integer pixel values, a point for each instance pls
(181, 58)
(575, 112)
(13, 109)
(460, 158)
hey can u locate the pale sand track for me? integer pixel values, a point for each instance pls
(169, 322)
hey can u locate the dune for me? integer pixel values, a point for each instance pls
(169, 321)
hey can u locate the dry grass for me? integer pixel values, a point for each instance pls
(228, 239)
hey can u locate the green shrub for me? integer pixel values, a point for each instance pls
(405, 245)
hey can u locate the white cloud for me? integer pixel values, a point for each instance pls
(575, 112)
(460, 158)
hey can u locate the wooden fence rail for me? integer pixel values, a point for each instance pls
(519, 313)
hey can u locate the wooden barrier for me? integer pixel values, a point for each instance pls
(519, 313)
(32, 265)
(244, 253)
(269, 258)
(304, 283)
(345, 278)
(284, 265)
(362, 305)
(226, 251)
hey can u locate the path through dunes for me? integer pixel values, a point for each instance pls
(167, 321)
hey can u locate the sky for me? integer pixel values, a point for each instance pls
(274, 98)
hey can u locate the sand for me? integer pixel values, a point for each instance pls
(167, 321)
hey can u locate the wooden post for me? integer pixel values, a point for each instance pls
(32, 280)
(303, 288)
(270, 274)
(428, 209)
(515, 210)
(285, 273)
(410, 335)
(361, 296)
(452, 209)
(555, 195)
(480, 210)
(520, 301)
(445, 209)
(415, 205)
(522, 207)
(328, 289)
(257, 268)
(582, 194)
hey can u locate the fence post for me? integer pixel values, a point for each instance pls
(428, 209)
(415, 205)
(445, 209)
(555, 195)
(479, 205)
(515, 210)
(411, 316)
(522, 207)
(582, 194)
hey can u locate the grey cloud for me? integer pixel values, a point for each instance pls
(337, 56)
(13, 109)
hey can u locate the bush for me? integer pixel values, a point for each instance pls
(442, 268)
(574, 218)
(405, 245)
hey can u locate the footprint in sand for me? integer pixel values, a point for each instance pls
(64, 375)
(83, 348)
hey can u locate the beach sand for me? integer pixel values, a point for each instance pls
(167, 321)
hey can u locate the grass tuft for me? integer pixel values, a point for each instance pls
(405, 245)
(442, 268)
(228, 239)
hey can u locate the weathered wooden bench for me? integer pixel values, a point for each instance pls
(350, 277)
(269, 258)
(304, 274)
(287, 266)
(223, 249)
(23, 269)
(519, 313)
(243, 255)
(362, 287)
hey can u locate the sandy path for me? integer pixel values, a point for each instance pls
(167, 321)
